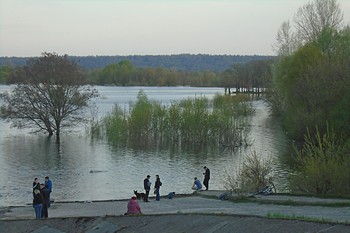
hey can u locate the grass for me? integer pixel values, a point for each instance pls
(301, 203)
(289, 202)
(300, 218)
(331, 196)
(242, 199)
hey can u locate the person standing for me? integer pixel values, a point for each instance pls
(147, 187)
(48, 187)
(36, 185)
(37, 203)
(157, 185)
(206, 174)
(45, 194)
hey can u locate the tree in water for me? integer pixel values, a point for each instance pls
(50, 94)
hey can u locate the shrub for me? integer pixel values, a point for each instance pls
(115, 125)
(322, 165)
(253, 175)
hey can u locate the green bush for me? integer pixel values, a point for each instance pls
(140, 118)
(253, 175)
(115, 125)
(322, 166)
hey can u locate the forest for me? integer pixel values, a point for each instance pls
(247, 73)
(183, 62)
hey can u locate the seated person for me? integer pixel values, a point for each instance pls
(196, 184)
(133, 206)
(171, 195)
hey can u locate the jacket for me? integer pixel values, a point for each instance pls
(147, 184)
(157, 184)
(133, 207)
(38, 199)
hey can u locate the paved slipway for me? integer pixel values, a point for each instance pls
(202, 212)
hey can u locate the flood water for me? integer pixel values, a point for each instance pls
(24, 156)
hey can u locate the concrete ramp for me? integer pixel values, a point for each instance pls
(46, 229)
(104, 227)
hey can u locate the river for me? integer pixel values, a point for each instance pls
(24, 155)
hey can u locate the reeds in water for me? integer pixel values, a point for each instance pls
(190, 122)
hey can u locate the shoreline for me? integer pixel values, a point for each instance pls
(206, 202)
(268, 199)
(200, 212)
(91, 201)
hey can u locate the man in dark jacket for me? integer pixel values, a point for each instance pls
(48, 186)
(36, 185)
(147, 187)
(206, 177)
(46, 200)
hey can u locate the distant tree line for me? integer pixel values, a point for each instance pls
(125, 73)
(243, 77)
(183, 62)
(247, 76)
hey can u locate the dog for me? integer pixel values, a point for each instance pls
(171, 195)
(139, 195)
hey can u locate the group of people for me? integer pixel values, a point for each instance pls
(197, 185)
(42, 191)
(41, 197)
(133, 206)
(147, 187)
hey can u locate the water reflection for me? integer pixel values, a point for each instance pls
(119, 170)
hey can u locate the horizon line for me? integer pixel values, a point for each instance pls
(143, 55)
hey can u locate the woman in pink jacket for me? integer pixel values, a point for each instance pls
(133, 206)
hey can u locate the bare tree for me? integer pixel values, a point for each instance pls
(286, 41)
(310, 20)
(50, 95)
(315, 16)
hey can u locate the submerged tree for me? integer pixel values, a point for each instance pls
(50, 95)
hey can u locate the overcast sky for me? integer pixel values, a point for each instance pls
(144, 27)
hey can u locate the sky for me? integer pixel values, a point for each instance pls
(144, 27)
